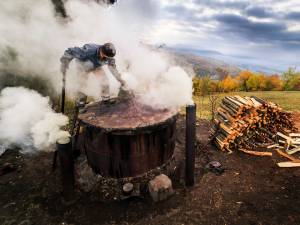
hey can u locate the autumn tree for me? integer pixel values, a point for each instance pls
(252, 83)
(273, 83)
(291, 80)
(206, 87)
(242, 78)
(262, 81)
(229, 84)
(215, 86)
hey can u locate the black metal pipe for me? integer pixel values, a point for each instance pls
(65, 155)
(63, 94)
(62, 110)
(190, 137)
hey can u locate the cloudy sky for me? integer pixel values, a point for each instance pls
(258, 32)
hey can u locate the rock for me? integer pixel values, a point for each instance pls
(160, 188)
(127, 188)
(215, 167)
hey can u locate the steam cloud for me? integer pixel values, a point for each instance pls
(33, 38)
(39, 37)
(27, 120)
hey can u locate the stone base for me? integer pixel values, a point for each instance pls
(160, 188)
(111, 189)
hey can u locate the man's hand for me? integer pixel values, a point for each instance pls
(65, 61)
(113, 69)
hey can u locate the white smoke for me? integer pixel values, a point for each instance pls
(27, 120)
(40, 38)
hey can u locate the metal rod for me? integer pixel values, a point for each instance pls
(63, 94)
(65, 155)
(190, 144)
(62, 110)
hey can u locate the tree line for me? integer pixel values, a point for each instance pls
(248, 81)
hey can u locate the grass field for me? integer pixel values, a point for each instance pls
(288, 100)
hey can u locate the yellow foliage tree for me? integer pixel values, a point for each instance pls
(252, 83)
(273, 83)
(262, 82)
(229, 84)
(242, 78)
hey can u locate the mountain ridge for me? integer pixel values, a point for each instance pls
(204, 63)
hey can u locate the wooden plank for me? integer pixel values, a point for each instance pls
(294, 135)
(287, 156)
(256, 153)
(272, 146)
(292, 151)
(283, 136)
(288, 164)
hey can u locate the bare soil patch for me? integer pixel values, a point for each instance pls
(252, 190)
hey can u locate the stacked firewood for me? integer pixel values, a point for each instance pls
(250, 123)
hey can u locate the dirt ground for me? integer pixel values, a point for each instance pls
(252, 190)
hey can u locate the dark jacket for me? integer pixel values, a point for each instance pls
(89, 52)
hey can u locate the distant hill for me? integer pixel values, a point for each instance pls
(213, 63)
(203, 66)
(259, 69)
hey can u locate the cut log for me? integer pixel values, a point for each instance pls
(292, 151)
(256, 153)
(288, 164)
(253, 122)
(283, 136)
(293, 135)
(287, 156)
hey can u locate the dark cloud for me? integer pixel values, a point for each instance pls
(259, 12)
(237, 22)
(238, 26)
(216, 4)
(190, 18)
(268, 32)
(293, 16)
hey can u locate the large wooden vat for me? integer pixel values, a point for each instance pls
(126, 138)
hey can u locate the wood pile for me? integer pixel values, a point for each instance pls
(251, 124)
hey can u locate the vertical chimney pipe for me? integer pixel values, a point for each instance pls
(65, 155)
(190, 137)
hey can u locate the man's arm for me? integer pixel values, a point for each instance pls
(113, 69)
(68, 55)
(65, 61)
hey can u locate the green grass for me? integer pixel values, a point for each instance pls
(288, 100)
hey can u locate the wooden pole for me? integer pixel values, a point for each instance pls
(190, 144)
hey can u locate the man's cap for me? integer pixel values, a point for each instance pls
(108, 49)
